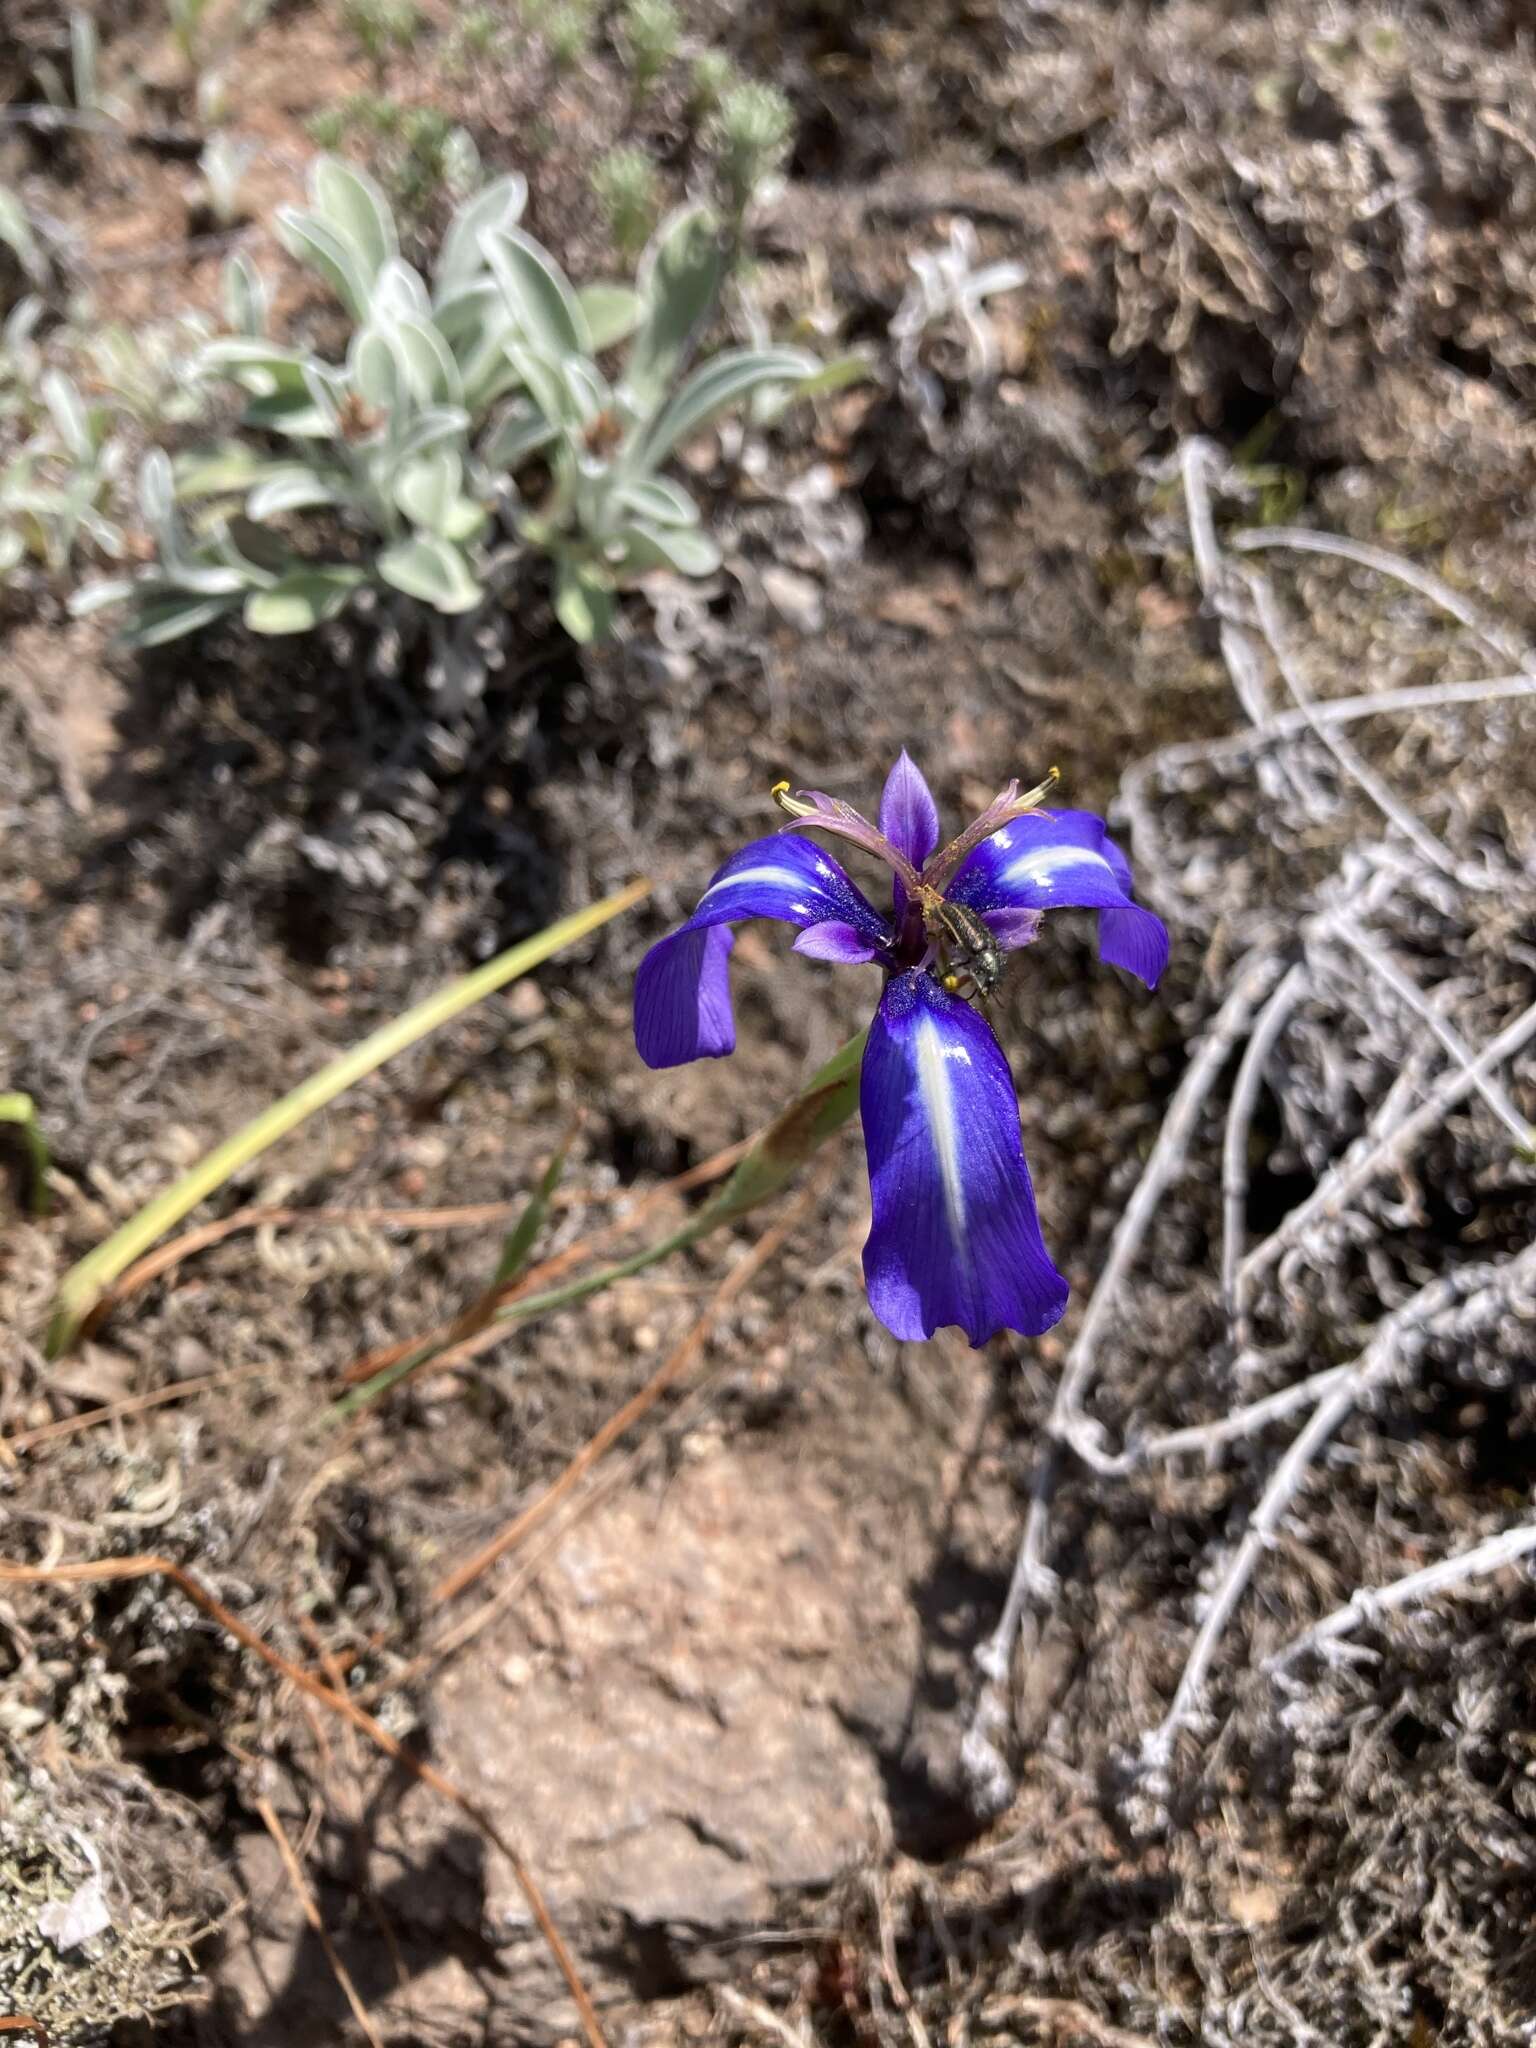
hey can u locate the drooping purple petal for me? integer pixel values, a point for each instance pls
(909, 817)
(682, 994)
(683, 998)
(954, 1236)
(1054, 859)
(833, 940)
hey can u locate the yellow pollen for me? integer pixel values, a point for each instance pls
(952, 982)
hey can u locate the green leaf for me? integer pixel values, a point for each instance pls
(582, 605)
(427, 489)
(679, 281)
(245, 296)
(21, 1110)
(613, 312)
(826, 1103)
(431, 374)
(316, 243)
(637, 548)
(521, 431)
(658, 502)
(519, 1242)
(376, 369)
(499, 206)
(172, 616)
(291, 487)
(299, 602)
(538, 295)
(67, 410)
(352, 204)
(714, 388)
(398, 293)
(430, 568)
(259, 367)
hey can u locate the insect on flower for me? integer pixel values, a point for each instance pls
(954, 1235)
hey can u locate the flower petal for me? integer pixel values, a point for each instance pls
(683, 998)
(1054, 859)
(909, 817)
(833, 940)
(954, 1236)
(682, 993)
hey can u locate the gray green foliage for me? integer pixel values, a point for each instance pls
(58, 485)
(750, 138)
(404, 457)
(628, 190)
(649, 32)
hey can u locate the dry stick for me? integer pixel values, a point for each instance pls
(1274, 629)
(1067, 1425)
(639, 1404)
(1358, 1167)
(116, 1569)
(1407, 991)
(1205, 1437)
(538, 1277)
(22, 2024)
(1167, 762)
(1376, 1362)
(1254, 978)
(311, 1910)
(131, 1404)
(1268, 1027)
(1305, 540)
(1369, 1603)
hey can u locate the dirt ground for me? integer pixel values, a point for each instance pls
(721, 1709)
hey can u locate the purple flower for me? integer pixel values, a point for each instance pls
(954, 1236)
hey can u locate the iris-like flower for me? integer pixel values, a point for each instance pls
(954, 1236)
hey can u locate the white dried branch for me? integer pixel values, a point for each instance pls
(1067, 1424)
(1305, 540)
(1252, 982)
(1382, 1150)
(1273, 627)
(1398, 1337)
(1408, 992)
(1368, 1603)
(1202, 1438)
(1267, 1030)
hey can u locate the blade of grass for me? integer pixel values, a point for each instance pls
(84, 1282)
(21, 1110)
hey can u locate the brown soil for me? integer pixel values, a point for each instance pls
(721, 1711)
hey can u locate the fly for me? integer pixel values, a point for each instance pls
(964, 942)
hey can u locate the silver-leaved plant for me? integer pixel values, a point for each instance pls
(468, 424)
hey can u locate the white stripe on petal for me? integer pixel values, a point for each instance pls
(939, 1103)
(782, 878)
(1043, 864)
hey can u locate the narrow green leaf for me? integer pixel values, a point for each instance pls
(315, 242)
(21, 1110)
(518, 1245)
(538, 295)
(582, 605)
(613, 312)
(639, 547)
(84, 1284)
(500, 205)
(352, 204)
(679, 281)
(725, 380)
(301, 601)
(430, 568)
